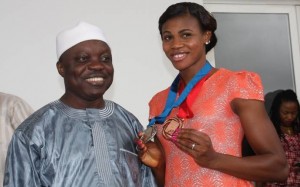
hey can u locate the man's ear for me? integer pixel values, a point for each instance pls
(60, 69)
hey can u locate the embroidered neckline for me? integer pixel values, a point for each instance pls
(83, 113)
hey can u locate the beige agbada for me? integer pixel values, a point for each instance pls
(13, 111)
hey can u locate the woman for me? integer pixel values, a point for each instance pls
(202, 117)
(285, 117)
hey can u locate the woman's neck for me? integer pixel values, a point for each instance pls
(287, 129)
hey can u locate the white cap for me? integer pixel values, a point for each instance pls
(81, 32)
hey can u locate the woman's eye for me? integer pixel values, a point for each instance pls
(186, 35)
(167, 38)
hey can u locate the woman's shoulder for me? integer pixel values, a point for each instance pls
(237, 73)
(242, 83)
(157, 102)
(162, 94)
(240, 77)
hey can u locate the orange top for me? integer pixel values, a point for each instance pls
(213, 116)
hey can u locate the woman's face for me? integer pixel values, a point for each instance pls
(288, 112)
(184, 42)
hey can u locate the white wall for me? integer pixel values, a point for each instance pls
(27, 47)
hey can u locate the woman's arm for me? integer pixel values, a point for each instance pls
(269, 163)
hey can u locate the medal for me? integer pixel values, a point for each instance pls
(178, 97)
(149, 134)
(170, 126)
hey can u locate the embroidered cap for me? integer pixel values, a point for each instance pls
(81, 32)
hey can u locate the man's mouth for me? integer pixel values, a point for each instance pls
(95, 80)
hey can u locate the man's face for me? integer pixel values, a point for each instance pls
(87, 70)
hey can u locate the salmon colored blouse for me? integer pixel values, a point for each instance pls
(213, 116)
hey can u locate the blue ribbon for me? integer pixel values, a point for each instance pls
(171, 100)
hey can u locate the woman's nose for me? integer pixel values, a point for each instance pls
(290, 117)
(177, 43)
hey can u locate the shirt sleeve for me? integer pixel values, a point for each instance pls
(248, 86)
(22, 163)
(148, 177)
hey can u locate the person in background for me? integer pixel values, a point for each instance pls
(284, 114)
(13, 111)
(201, 118)
(81, 139)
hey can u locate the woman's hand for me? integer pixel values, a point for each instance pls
(150, 153)
(198, 145)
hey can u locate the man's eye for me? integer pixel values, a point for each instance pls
(106, 58)
(82, 58)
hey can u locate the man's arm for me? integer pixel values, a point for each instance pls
(22, 163)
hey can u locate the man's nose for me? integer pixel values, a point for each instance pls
(96, 64)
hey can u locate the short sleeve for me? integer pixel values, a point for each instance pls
(248, 86)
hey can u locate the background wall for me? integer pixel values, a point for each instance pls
(27, 48)
(268, 53)
(261, 36)
(29, 28)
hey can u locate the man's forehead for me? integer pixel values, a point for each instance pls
(87, 46)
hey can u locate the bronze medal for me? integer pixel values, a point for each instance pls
(170, 126)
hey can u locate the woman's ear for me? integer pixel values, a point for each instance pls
(207, 37)
(60, 68)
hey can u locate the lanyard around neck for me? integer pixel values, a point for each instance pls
(171, 100)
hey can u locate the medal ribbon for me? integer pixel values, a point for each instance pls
(171, 100)
(184, 109)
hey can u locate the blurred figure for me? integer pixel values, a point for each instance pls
(284, 114)
(13, 111)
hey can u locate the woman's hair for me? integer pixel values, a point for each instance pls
(283, 96)
(206, 21)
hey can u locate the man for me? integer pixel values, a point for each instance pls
(80, 140)
(13, 111)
